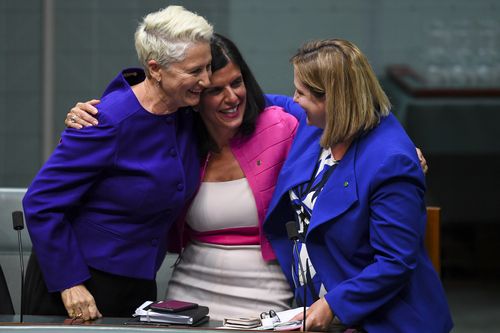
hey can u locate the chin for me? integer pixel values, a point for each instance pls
(193, 101)
(312, 123)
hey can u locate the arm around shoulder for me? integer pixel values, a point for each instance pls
(287, 103)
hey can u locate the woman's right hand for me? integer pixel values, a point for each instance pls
(80, 303)
(82, 115)
(422, 160)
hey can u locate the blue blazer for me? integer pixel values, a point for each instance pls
(109, 194)
(365, 237)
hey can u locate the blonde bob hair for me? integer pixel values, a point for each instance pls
(336, 70)
(165, 35)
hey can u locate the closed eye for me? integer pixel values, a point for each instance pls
(213, 91)
(196, 71)
(237, 82)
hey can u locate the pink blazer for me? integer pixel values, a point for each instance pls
(261, 156)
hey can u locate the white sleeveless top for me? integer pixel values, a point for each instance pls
(220, 205)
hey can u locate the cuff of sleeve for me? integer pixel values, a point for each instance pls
(331, 302)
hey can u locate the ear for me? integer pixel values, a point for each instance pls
(154, 69)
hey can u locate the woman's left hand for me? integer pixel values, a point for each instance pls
(319, 316)
(80, 303)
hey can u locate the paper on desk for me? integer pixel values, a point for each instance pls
(284, 316)
(287, 315)
(140, 310)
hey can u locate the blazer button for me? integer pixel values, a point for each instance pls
(173, 153)
(180, 187)
(154, 242)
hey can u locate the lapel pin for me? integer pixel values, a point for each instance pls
(346, 183)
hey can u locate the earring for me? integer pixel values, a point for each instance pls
(158, 81)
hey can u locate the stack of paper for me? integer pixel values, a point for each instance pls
(242, 322)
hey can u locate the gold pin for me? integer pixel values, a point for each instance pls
(346, 183)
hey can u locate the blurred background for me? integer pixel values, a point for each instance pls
(438, 60)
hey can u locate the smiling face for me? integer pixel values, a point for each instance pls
(182, 82)
(223, 103)
(314, 106)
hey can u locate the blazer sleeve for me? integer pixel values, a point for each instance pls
(396, 225)
(75, 165)
(287, 103)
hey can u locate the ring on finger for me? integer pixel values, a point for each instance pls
(72, 119)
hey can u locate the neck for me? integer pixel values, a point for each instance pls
(221, 137)
(338, 150)
(153, 98)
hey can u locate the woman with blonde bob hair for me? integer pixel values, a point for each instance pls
(354, 189)
(354, 100)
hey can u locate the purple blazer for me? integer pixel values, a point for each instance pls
(109, 193)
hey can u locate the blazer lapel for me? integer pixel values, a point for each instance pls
(300, 163)
(339, 193)
(302, 159)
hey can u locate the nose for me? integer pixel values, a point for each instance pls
(230, 97)
(205, 78)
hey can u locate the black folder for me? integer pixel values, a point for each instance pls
(186, 317)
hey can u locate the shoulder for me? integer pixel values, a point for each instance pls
(119, 101)
(389, 136)
(274, 127)
(287, 103)
(388, 147)
(116, 108)
(276, 117)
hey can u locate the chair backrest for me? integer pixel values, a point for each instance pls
(10, 200)
(433, 237)
(6, 306)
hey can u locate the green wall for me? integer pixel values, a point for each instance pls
(94, 40)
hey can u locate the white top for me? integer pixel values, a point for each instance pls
(221, 205)
(232, 280)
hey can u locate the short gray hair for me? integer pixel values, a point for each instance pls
(165, 35)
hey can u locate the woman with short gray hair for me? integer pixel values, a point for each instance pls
(98, 209)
